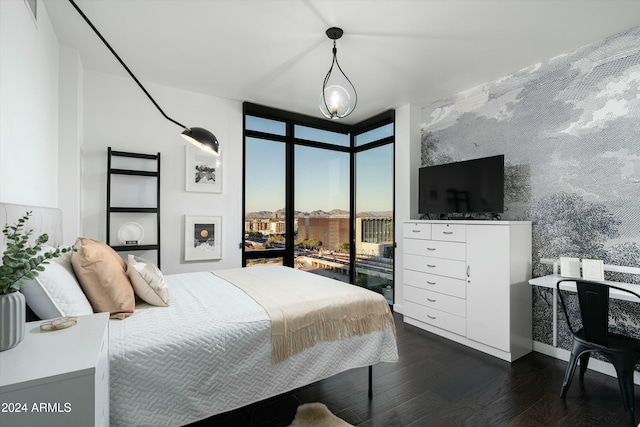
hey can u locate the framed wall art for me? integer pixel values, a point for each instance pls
(569, 267)
(202, 238)
(203, 171)
(592, 269)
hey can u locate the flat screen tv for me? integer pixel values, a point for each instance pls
(471, 186)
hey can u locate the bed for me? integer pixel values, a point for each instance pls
(211, 350)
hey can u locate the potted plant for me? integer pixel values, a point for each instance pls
(20, 261)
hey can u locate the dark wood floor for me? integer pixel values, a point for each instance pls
(439, 383)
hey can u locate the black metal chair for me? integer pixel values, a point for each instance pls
(622, 351)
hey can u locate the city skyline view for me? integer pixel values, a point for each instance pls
(325, 173)
(316, 213)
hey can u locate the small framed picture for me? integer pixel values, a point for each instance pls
(202, 238)
(569, 267)
(203, 171)
(592, 269)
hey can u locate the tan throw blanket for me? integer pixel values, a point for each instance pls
(306, 308)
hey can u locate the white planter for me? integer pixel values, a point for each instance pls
(12, 319)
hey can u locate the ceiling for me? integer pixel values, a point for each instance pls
(276, 53)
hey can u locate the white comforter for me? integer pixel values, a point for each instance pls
(210, 352)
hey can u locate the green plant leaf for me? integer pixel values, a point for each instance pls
(20, 260)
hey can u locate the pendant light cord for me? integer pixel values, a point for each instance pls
(124, 65)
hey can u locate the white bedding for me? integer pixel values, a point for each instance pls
(210, 352)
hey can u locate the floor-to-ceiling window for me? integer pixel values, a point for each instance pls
(322, 205)
(374, 200)
(318, 195)
(264, 190)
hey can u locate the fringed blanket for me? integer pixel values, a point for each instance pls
(306, 308)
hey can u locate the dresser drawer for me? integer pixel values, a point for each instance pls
(441, 267)
(446, 303)
(440, 319)
(435, 249)
(432, 282)
(449, 232)
(416, 230)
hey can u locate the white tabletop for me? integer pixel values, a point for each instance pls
(45, 356)
(551, 280)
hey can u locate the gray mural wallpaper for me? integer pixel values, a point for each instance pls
(570, 132)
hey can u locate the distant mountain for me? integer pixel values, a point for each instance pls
(338, 212)
(259, 214)
(316, 214)
(375, 214)
(280, 213)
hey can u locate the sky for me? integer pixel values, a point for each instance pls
(321, 175)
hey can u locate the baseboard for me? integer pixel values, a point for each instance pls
(507, 356)
(398, 308)
(595, 364)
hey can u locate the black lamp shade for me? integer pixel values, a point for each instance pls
(202, 139)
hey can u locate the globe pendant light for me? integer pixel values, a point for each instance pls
(338, 98)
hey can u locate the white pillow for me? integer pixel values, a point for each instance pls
(55, 292)
(147, 281)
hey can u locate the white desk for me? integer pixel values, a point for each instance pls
(57, 378)
(551, 280)
(554, 351)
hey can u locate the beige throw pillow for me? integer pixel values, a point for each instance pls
(101, 273)
(147, 281)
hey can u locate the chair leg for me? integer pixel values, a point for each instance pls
(625, 366)
(576, 352)
(568, 375)
(584, 362)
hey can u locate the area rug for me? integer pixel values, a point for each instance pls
(316, 415)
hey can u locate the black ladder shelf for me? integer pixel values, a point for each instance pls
(133, 209)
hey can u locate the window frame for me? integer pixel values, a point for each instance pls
(292, 119)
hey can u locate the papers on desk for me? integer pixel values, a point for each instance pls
(569, 267)
(592, 269)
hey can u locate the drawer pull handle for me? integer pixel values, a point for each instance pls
(430, 283)
(431, 300)
(447, 232)
(431, 265)
(416, 231)
(431, 317)
(431, 249)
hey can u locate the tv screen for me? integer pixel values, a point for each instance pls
(471, 186)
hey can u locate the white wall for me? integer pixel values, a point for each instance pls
(118, 114)
(70, 143)
(407, 162)
(57, 120)
(28, 106)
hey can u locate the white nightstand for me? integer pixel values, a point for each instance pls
(58, 378)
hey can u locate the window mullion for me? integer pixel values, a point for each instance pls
(352, 212)
(290, 195)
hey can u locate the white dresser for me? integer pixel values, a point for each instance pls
(468, 281)
(58, 378)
